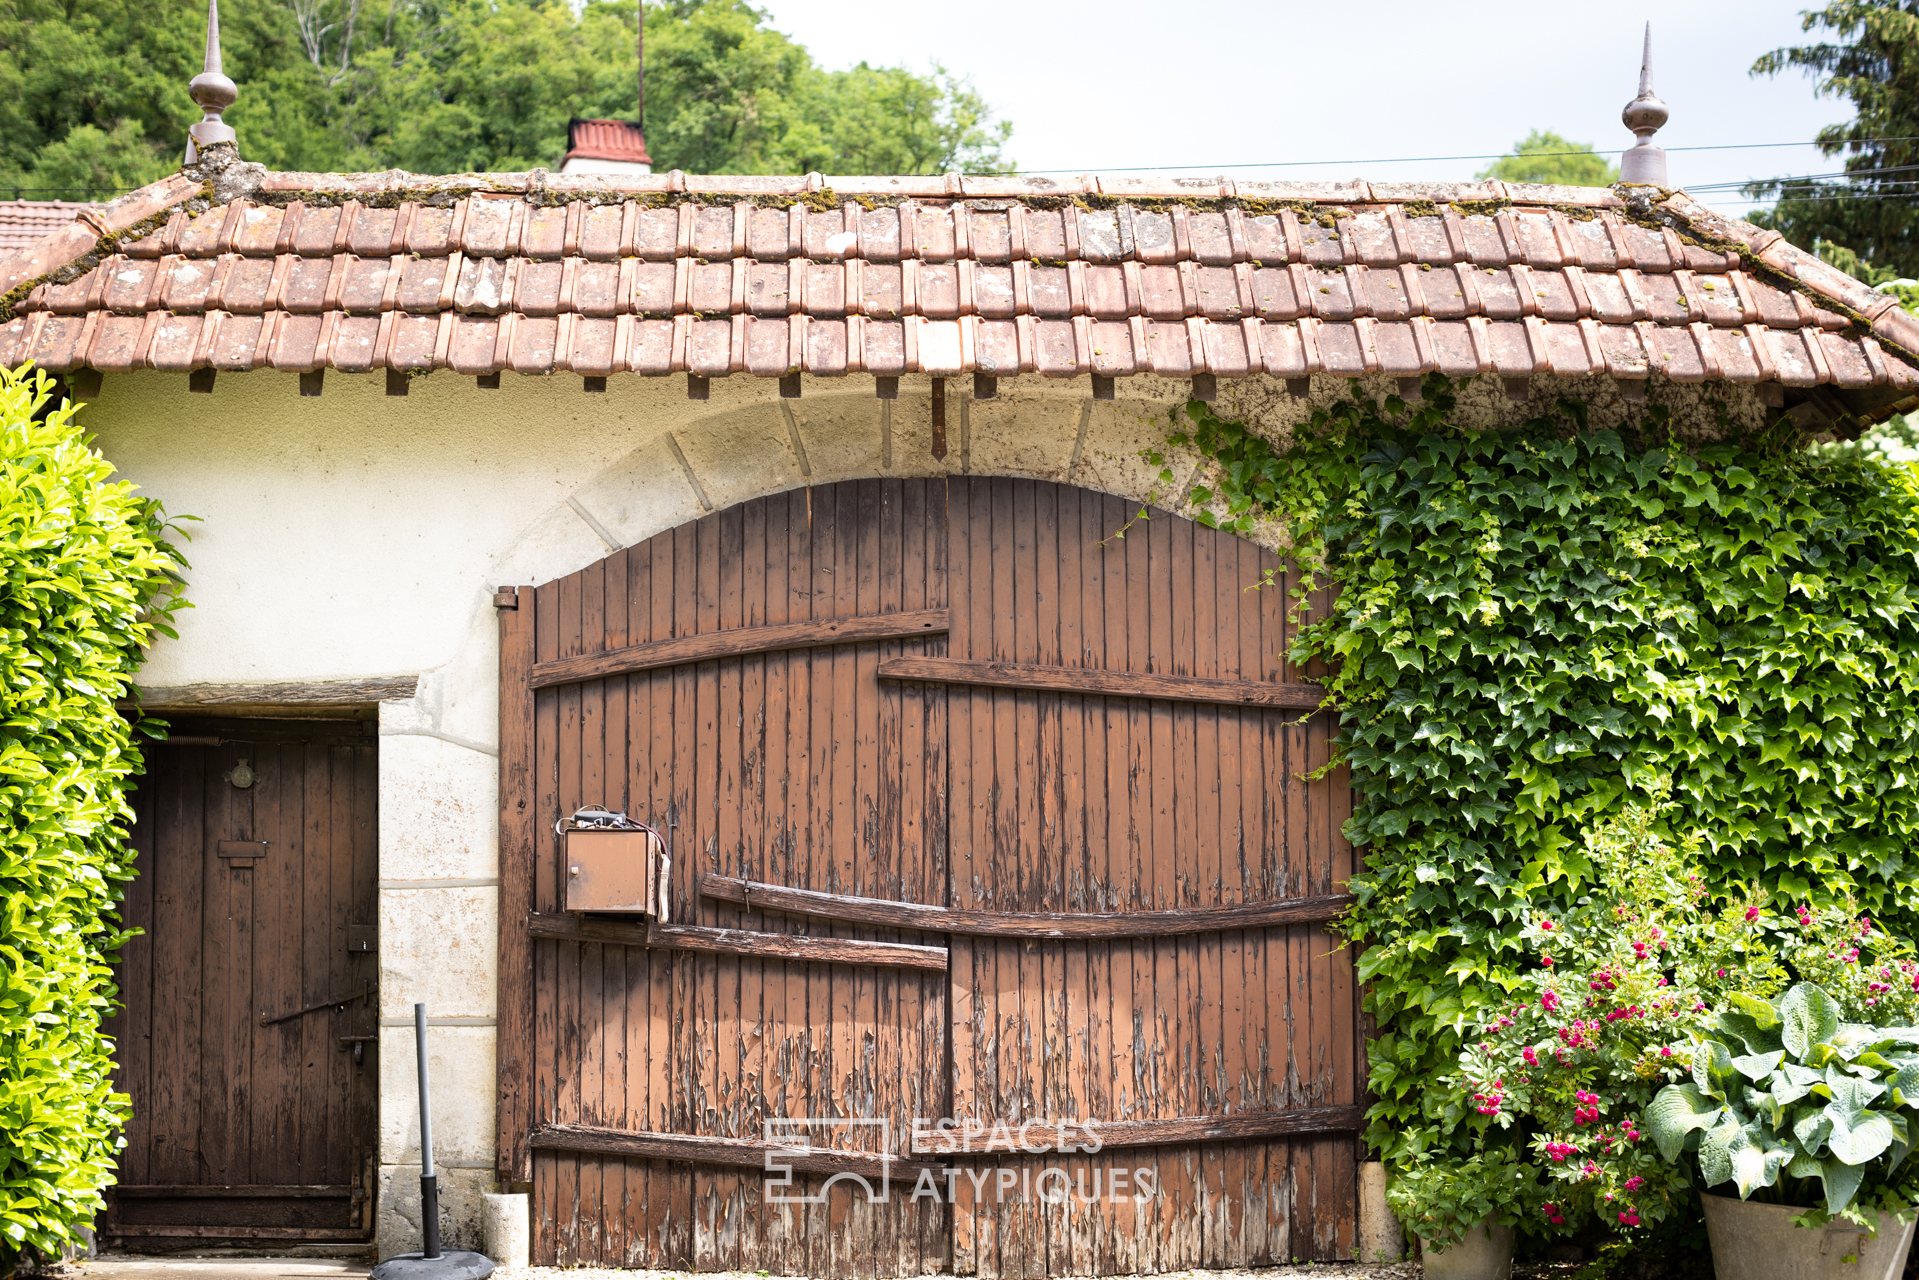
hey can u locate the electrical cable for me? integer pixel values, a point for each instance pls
(1290, 164)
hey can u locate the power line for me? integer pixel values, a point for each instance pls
(1503, 155)
(1294, 164)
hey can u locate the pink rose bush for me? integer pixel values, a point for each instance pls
(1553, 1098)
(1564, 1072)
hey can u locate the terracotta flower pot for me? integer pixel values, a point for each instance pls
(1486, 1253)
(1758, 1242)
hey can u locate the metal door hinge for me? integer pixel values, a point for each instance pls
(506, 597)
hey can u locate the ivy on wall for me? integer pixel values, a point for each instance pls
(1536, 624)
(86, 579)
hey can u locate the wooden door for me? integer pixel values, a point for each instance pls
(1068, 803)
(966, 697)
(247, 1037)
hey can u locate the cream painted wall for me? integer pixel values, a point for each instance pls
(359, 535)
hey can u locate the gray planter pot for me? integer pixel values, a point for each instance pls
(1486, 1253)
(1758, 1242)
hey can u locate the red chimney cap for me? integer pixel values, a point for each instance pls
(606, 140)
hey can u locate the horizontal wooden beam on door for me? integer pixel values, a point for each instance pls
(320, 1191)
(1023, 924)
(736, 642)
(770, 946)
(1045, 678)
(1086, 1135)
(748, 1153)
(137, 1230)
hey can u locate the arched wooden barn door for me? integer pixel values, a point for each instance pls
(976, 814)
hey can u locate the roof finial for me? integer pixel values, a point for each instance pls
(1644, 162)
(213, 93)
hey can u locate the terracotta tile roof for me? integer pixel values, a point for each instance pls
(539, 273)
(606, 140)
(25, 222)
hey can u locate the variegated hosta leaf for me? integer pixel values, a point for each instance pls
(1677, 1111)
(1804, 1166)
(1746, 1154)
(1854, 1038)
(1857, 1136)
(1715, 1152)
(1757, 1066)
(1763, 1013)
(1793, 1082)
(1712, 1071)
(1905, 1083)
(1849, 1091)
(1842, 1183)
(1756, 1036)
(1811, 1129)
(1870, 1061)
(1809, 1017)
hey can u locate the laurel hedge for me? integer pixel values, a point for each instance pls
(87, 577)
(1536, 625)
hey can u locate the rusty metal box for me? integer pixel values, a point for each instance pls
(622, 871)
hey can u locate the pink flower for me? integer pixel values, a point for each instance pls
(1547, 925)
(1550, 1001)
(1634, 1183)
(1628, 1218)
(1530, 1055)
(1752, 913)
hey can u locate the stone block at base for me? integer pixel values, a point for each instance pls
(462, 1193)
(1380, 1236)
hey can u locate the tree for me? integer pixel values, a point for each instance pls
(93, 92)
(1868, 208)
(1546, 157)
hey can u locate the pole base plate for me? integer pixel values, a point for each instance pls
(451, 1265)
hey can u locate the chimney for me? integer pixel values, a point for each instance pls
(1644, 162)
(213, 93)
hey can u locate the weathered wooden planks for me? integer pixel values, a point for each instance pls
(742, 1152)
(737, 642)
(249, 1121)
(1025, 924)
(1042, 1136)
(1134, 881)
(1118, 684)
(741, 942)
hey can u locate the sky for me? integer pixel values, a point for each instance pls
(1336, 91)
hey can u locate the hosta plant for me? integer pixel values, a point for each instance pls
(1790, 1104)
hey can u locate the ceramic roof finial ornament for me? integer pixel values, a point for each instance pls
(213, 93)
(1644, 162)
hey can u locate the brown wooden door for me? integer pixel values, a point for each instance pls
(252, 1113)
(897, 768)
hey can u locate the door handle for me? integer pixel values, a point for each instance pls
(336, 1001)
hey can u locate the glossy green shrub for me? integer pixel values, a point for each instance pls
(86, 579)
(1537, 624)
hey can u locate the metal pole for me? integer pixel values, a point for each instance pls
(429, 1184)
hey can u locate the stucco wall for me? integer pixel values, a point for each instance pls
(359, 535)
